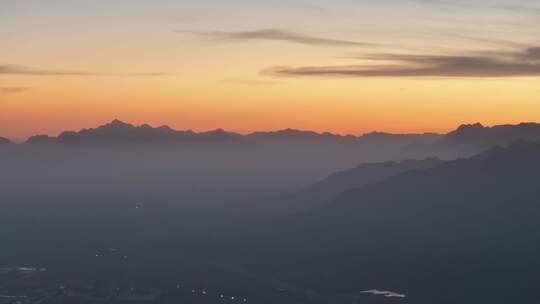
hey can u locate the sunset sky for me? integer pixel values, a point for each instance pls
(345, 66)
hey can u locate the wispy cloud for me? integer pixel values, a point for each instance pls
(488, 41)
(274, 35)
(13, 90)
(246, 82)
(509, 64)
(529, 8)
(10, 69)
(521, 9)
(532, 54)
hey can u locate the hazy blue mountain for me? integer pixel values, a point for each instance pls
(41, 139)
(293, 135)
(366, 174)
(474, 138)
(4, 141)
(452, 233)
(402, 139)
(466, 140)
(333, 185)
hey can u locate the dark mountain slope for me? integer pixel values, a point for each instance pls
(366, 174)
(328, 188)
(465, 231)
(4, 141)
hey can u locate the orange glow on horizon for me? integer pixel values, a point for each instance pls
(145, 63)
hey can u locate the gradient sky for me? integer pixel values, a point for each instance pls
(346, 66)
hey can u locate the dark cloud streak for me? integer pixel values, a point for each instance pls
(9, 69)
(532, 54)
(274, 35)
(13, 90)
(526, 63)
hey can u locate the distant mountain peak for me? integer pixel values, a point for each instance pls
(167, 128)
(467, 127)
(116, 123)
(120, 132)
(219, 130)
(495, 135)
(471, 139)
(4, 141)
(40, 139)
(375, 134)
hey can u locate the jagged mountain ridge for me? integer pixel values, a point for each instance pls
(121, 132)
(473, 138)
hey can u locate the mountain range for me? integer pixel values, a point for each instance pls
(118, 132)
(466, 140)
(476, 137)
(431, 230)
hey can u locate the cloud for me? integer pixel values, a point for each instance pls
(521, 9)
(510, 64)
(13, 90)
(489, 41)
(529, 8)
(531, 54)
(274, 35)
(10, 69)
(250, 82)
(386, 294)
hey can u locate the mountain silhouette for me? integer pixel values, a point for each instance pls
(293, 135)
(470, 223)
(118, 132)
(41, 139)
(475, 138)
(4, 141)
(466, 140)
(403, 139)
(369, 173)
(362, 175)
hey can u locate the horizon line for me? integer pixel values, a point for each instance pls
(247, 133)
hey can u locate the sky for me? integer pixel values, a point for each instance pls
(344, 66)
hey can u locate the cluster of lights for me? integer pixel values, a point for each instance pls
(221, 296)
(111, 250)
